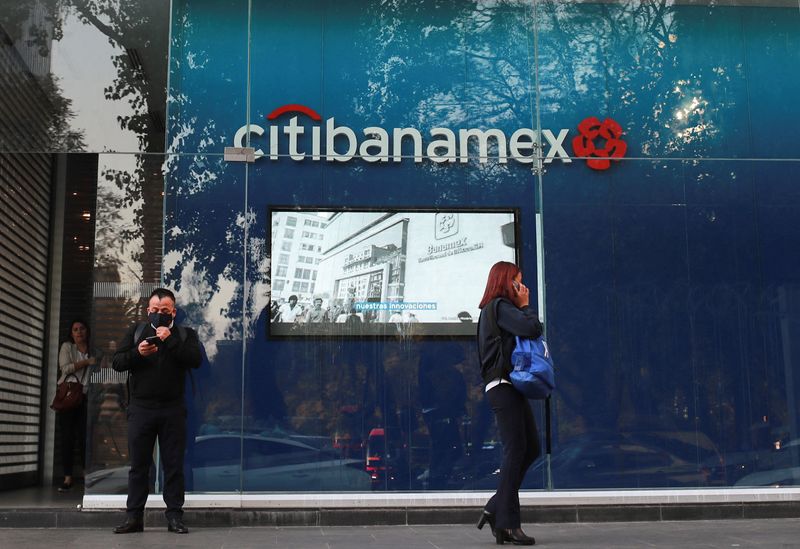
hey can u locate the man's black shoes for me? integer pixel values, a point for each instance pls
(176, 525)
(132, 525)
(129, 526)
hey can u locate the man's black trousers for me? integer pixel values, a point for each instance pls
(144, 426)
(520, 440)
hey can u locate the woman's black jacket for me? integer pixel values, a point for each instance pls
(495, 351)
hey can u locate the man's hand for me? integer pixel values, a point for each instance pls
(146, 349)
(163, 332)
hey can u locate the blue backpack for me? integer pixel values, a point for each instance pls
(533, 373)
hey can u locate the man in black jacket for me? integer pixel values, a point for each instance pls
(157, 355)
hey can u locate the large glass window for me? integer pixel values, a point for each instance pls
(643, 153)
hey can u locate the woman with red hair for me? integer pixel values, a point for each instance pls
(505, 314)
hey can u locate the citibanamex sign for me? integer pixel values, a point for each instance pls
(440, 145)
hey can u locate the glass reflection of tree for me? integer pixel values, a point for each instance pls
(129, 26)
(30, 25)
(139, 33)
(206, 236)
(485, 51)
(630, 53)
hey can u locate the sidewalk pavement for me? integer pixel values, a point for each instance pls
(760, 533)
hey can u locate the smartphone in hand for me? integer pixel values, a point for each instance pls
(153, 340)
(515, 284)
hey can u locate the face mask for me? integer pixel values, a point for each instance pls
(159, 319)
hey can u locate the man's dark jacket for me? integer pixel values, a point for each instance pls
(157, 381)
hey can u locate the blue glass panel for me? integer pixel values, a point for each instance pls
(772, 45)
(207, 75)
(652, 267)
(204, 243)
(774, 459)
(724, 311)
(673, 329)
(682, 80)
(399, 412)
(776, 183)
(647, 183)
(204, 231)
(720, 182)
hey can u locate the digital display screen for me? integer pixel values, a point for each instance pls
(351, 272)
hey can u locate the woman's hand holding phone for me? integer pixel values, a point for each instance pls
(521, 294)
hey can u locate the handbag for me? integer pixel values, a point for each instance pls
(69, 395)
(533, 374)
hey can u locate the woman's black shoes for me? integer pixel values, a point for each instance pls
(502, 535)
(514, 535)
(66, 487)
(486, 516)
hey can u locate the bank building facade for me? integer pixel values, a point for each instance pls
(362, 165)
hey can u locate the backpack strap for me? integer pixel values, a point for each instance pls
(182, 336)
(137, 335)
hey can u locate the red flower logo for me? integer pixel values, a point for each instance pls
(584, 144)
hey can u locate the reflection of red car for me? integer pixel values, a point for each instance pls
(380, 471)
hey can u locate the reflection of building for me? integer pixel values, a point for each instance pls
(296, 248)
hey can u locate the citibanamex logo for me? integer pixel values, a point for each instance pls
(600, 140)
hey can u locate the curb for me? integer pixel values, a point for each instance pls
(227, 518)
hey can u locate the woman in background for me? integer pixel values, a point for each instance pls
(75, 357)
(506, 313)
